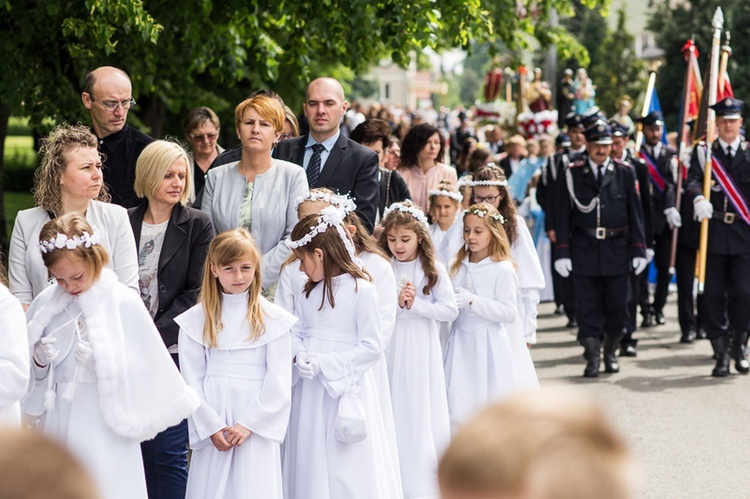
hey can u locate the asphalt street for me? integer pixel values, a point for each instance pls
(688, 431)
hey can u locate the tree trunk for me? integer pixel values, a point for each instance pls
(154, 115)
(4, 115)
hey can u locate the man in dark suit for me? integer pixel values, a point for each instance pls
(329, 158)
(662, 166)
(600, 241)
(726, 297)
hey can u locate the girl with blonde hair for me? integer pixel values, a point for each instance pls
(234, 351)
(481, 365)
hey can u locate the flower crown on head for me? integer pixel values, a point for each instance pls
(342, 201)
(484, 213)
(442, 192)
(330, 216)
(62, 241)
(411, 210)
(475, 183)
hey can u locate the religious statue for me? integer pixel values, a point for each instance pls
(538, 94)
(584, 92)
(565, 97)
(624, 105)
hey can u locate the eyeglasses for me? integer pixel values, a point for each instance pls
(285, 136)
(112, 106)
(206, 136)
(486, 199)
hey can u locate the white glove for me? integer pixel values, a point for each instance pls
(703, 208)
(563, 266)
(673, 217)
(308, 367)
(463, 299)
(639, 264)
(649, 254)
(45, 351)
(83, 352)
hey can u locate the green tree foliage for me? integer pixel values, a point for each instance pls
(205, 52)
(674, 26)
(617, 70)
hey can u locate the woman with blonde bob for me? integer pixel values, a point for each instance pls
(100, 372)
(235, 350)
(69, 179)
(172, 241)
(258, 192)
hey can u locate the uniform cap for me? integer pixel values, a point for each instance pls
(599, 133)
(729, 108)
(654, 118)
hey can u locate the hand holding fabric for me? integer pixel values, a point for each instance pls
(45, 351)
(308, 367)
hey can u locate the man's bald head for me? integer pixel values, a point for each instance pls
(103, 87)
(324, 107)
(326, 82)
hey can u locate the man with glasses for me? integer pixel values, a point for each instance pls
(107, 94)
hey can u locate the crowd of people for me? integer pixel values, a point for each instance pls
(317, 315)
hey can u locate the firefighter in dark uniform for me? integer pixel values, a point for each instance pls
(726, 297)
(546, 196)
(600, 241)
(662, 164)
(625, 155)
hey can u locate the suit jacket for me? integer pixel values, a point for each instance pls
(183, 254)
(644, 182)
(620, 208)
(723, 238)
(350, 169)
(660, 201)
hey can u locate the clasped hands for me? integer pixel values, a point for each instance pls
(230, 436)
(308, 365)
(407, 295)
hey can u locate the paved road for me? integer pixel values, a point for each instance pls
(690, 432)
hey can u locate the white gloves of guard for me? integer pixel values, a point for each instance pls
(45, 351)
(703, 208)
(463, 299)
(639, 264)
(649, 254)
(308, 366)
(563, 266)
(673, 217)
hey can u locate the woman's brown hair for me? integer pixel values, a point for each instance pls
(507, 206)
(425, 249)
(336, 259)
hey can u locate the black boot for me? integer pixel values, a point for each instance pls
(627, 348)
(721, 352)
(687, 336)
(611, 342)
(592, 354)
(738, 351)
(648, 320)
(659, 318)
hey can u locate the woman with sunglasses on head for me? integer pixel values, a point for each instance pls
(202, 128)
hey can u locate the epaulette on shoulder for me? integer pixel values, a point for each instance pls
(577, 163)
(621, 163)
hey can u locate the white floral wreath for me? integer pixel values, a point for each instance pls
(442, 192)
(342, 201)
(330, 216)
(484, 213)
(62, 241)
(411, 210)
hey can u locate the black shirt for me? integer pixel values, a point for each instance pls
(122, 150)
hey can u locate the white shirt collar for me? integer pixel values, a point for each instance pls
(734, 145)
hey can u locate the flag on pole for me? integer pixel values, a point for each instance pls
(693, 83)
(724, 88)
(655, 105)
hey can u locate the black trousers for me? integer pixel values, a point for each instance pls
(726, 297)
(662, 248)
(686, 304)
(601, 304)
(635, 294)
(563, 289)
